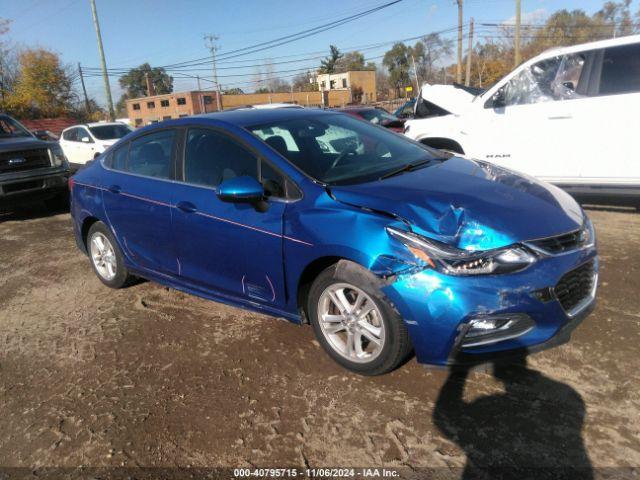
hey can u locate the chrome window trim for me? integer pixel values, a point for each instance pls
(178, 182)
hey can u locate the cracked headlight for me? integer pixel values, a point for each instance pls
(454, 261)
(57, 156)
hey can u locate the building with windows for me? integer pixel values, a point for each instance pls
(352, 81)
(156, 108)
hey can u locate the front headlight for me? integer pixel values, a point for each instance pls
(57, 156)
(454, 261)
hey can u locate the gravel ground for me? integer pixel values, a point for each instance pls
(151, 377)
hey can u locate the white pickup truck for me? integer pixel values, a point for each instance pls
(568, 116)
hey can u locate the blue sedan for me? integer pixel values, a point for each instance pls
(383, 245)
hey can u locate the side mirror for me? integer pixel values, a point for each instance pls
(243, 189)
(498, 100)
(85, 140)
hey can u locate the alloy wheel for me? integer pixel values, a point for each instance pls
(351, 322)
(103, 256)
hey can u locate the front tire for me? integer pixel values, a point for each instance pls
(354, 322)
(106, 258)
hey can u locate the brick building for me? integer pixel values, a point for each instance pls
(146, 110)
(348, 81)
(335, 90)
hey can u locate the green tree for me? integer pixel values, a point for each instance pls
(397, 62)
(9, 65)
(328, 65)
(233, 91)
(428, 54)
(43, 87)
(301, 83)
(134, 82)
(352, 61)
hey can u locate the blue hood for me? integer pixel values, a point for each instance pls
(470, 204)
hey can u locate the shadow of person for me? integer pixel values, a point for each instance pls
(532, 430)
(34, 210)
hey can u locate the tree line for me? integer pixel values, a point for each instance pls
(35, 83)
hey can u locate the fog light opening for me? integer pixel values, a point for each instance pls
(492, 329)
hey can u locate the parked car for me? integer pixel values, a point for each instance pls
(30, 169)
(83, 143)
(375, 115)
(405, 111)
(382, 244)
(45, 135)
(267, 106)
(567, 116)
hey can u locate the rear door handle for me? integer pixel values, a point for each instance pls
(186, 207)
(114, 189)
(561, 117)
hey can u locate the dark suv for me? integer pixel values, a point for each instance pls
(30, 169)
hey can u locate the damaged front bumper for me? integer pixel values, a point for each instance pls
(474, 319)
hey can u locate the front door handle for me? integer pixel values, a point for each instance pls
(186, 207)
(114, 189)
(560, 117)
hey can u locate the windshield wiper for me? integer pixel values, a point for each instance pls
(405, 168)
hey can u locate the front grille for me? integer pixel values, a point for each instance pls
(575, 286)
(562, 243)
(24, 160)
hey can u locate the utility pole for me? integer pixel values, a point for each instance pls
(467, 78)
(517, 35)
(198, 78)
(415, 73)
(459, 66)
(151, 90)
(105, 77)
(211, 44)
(84, 90)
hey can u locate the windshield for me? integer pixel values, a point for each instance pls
(10, 128)
(339, 149)
(110, 132)
(377, 116)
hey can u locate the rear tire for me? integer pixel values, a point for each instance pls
(354, 322)
(106, 257)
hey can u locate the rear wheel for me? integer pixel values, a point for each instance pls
(355, 323)
(106, 258)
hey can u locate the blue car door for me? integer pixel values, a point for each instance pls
(232, 249)
(137, 198)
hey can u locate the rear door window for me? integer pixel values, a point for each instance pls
(70, 135)
(620, 70)
(118, 159)
(152, 154)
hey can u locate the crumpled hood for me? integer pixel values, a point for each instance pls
(470, 204)
(452, 99)
(21, 143)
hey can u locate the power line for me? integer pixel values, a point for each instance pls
(303, 56)
(258, 47)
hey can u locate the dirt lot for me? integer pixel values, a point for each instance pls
(150, 377)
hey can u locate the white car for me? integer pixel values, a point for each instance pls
(568, 116)
(267, 106)
(83, 143)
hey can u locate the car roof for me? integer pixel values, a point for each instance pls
(94, 124)
(356, 108)
(611, 42)
(251, 116)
